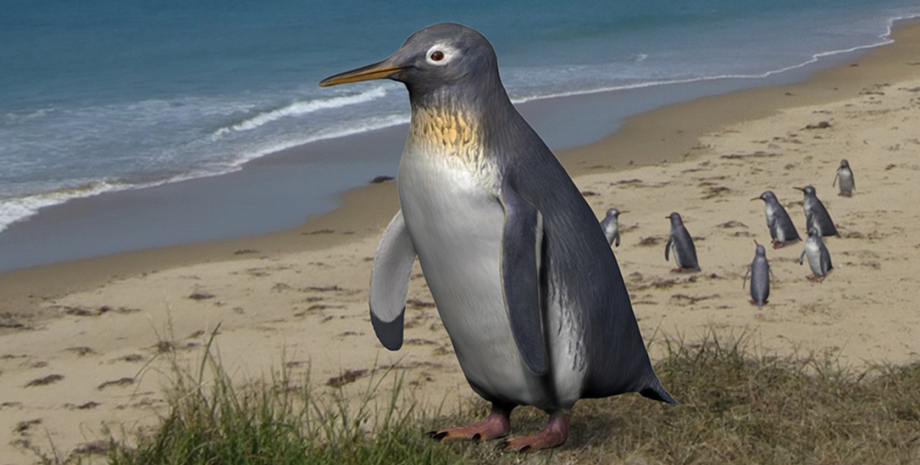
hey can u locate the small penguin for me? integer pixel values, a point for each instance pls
(760, 277)
(845, 175)
(819, 259)
(816, 216)
(682, 245)
(611, 226)
(782, 230)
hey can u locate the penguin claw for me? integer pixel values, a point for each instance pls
(436, 435)
(496, 426)
(508, 446)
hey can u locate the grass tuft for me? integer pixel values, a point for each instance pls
(736, 407)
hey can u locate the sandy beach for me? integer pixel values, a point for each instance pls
(86, 345)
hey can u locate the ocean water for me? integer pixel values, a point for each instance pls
(103, 95)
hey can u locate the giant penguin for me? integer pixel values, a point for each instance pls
(526, 284)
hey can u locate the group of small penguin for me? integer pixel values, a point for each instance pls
(782, 232)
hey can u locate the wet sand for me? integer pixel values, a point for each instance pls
(83, 341)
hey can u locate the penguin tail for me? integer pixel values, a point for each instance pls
(656, 391)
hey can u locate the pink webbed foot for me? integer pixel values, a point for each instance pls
(552, 435)
(778, 245)
(677, 270)
(496, 425)
(811, 277)
(820, 279)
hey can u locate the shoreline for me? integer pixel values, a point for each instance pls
(95, 338)
(267, 189)
(670, 132)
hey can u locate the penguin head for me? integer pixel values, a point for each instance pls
(440, 56)
(613, 213)
(767, 196)
(844, 163)
(809, 190)
(761, 251)
(675, 218)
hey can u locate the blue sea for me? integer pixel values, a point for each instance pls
(102, 95)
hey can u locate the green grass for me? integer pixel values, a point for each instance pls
(737, 407)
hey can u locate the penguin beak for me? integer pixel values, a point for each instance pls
(624, 211)
(380, 70)
(799, 188)
(755, 198)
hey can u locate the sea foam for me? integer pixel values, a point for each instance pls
(303, 108)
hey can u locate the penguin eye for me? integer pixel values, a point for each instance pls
(440, 54)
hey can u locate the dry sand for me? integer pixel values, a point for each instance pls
(87, 343)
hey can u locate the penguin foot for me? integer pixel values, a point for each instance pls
(677, 270)
(811, 277)
(552, 435)
(845, 194)
(778, 245)
(820, 279)
(496, 425)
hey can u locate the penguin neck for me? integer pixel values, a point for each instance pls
(455, 122)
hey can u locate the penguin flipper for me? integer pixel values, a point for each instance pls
(835, 179)
(772, 227)
(825, 260)
(744, 282)
(667, 248)
(522, 242)
(617, 239)
(392, 269)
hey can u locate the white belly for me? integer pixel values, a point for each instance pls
(610, 231)
(456, 227)
(813, 253)
(846, 180)
(768, 212)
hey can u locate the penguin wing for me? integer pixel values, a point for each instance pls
(802, 258)
(522, 242)
(667, 248)
(825, 260)
(824, 221)
(744, 282)
(686, 250)
(836, 175)
(771, 225)
(616, 237)
(393, 264)
(782, 220)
